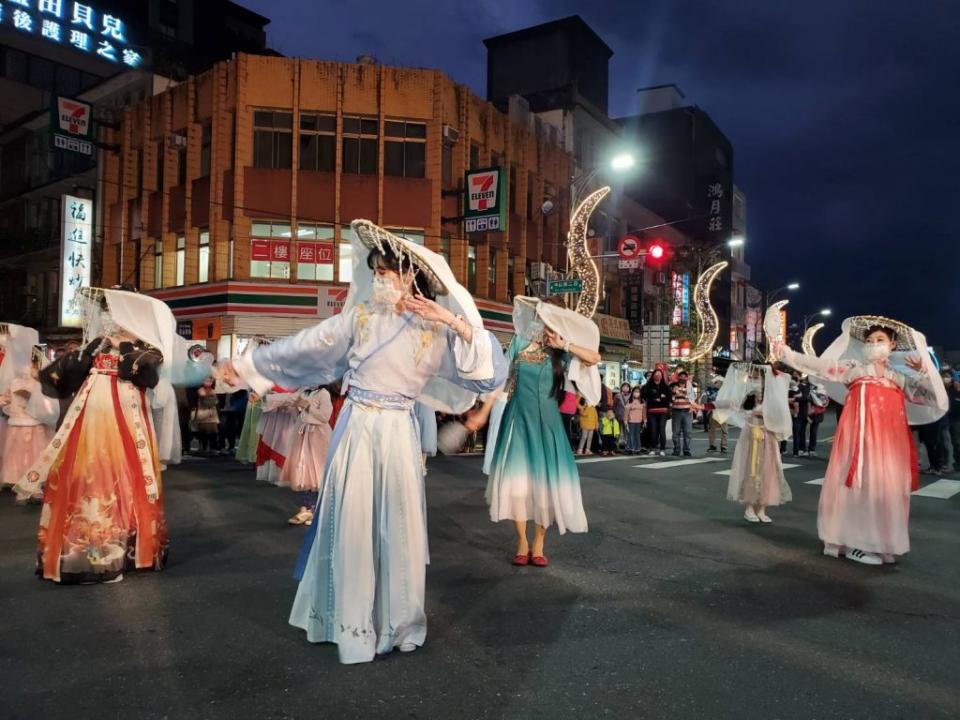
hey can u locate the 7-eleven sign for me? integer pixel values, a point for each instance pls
(484, 206)
(71, 125)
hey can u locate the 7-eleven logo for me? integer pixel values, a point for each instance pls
(482, 188)
(74, 116)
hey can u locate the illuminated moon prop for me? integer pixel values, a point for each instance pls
(808, 339)
(772, 327)
(709, 324)
(581, 264)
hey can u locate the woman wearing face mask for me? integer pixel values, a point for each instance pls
(635, 416)
(363, 574)
(658, 396)
(865, 499)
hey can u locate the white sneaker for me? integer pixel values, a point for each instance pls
(831, 550)
(663, 453)
(764, 518)
(407, 647)
(750, 515)
(864, 557)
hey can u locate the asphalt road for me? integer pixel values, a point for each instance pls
(670, 607)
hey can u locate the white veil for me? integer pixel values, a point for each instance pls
(18, 342)
(531, 315)
(439, 393)
(929, 403)
(739, 382)
(152, 321)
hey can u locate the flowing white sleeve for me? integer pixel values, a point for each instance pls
(166, 422)
(278, 401)
(824, 368)
(315, 356)
(466, 369)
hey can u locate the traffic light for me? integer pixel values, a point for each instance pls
(656, 252)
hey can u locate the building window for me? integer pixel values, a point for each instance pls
(360, 139)
(181, 258)
(315, 252)
(158, 264)
(181, 166)
(345, 256)
(530, 195)
(495, 158)
(404, 149)
(270, 250)
(204, 271)
(446, 166)
(472, 269)
(513, 189)
(272, 139)
(318, 142)
(408, 233)
(492, 274)
(474, 156)
(206, 136)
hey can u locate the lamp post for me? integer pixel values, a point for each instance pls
(826, 312)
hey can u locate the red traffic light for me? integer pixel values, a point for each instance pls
(656, 251)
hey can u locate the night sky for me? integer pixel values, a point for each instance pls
(844, 117)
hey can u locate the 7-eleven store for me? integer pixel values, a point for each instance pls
(226, 315)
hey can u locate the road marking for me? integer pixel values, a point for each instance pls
(664, 465)
(818, 481)
(786, 466)
(942, 489)
(606, 459)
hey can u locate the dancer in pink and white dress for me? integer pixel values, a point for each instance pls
(16, 348)
(303, 470)
(882, 371)
(277, 429)
(31, 417)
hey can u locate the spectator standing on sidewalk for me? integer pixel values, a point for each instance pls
(681, 414)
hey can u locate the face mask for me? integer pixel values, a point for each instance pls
(877, 351)
(385, 294)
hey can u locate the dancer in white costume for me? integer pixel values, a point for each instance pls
(16, 342)
(754, 399)
(363, 584)
(31, 418)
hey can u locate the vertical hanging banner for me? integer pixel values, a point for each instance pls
(75, 250)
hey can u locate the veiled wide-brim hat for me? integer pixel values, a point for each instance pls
(858, 326)
(431, 265)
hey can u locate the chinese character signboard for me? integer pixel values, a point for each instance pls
(75, 249)
(82, 27)
(717, 204)
(680, 284)
(484, 207)
(315, 253)
(71, 125)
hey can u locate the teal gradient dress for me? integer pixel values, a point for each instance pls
(532, 471)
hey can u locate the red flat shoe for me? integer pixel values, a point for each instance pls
(539, 560)
(521, 559)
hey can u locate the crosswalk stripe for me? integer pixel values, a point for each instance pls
(786, 466)
(818, 481)
(678, 463)
(606, 459)
(943, 489)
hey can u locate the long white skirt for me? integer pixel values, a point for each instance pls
(363, 585)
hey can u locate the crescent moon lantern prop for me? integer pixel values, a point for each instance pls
(709, 324)
(772, 324)
(808, 339)
(581, 263)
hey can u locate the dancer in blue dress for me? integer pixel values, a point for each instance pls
(533, 474)
(363, 583)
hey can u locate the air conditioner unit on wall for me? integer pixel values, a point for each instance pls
(450, 134)
(177, 140)
(539, 271)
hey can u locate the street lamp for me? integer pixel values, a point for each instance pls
(826, 312)
(618, 163)
(790, 288)
(736, 241)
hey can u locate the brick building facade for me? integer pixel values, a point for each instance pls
(230, 195)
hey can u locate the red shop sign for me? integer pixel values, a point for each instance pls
(325, 253)
(306, 253)
(260, 250)
(280, 251)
